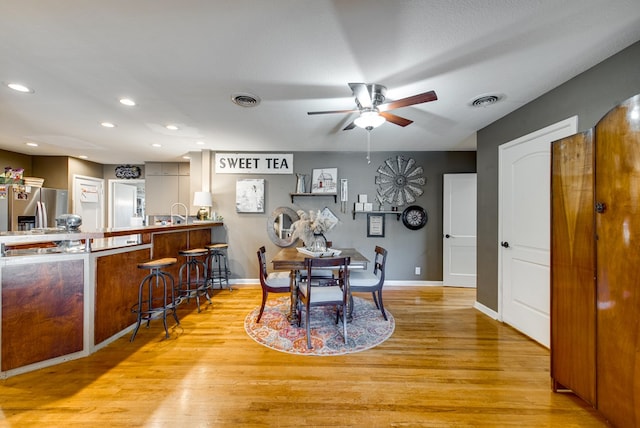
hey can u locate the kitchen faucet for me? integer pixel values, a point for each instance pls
(186, 212)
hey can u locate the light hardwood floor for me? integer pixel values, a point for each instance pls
(446, 365)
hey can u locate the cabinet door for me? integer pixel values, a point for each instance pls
(184, 168)
(184, 182)
(160, 192)
(618, 255)
(573, 285)
(152, 168)
(170, 168)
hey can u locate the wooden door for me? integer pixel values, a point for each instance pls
(618, 263)
(573, 285)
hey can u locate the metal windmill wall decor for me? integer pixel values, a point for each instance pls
(399, 181)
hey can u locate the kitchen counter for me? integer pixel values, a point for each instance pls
(80, 295)
(122, 231)
(36, 236)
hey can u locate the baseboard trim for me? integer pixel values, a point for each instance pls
(487, 311)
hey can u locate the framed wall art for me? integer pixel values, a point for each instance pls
(375, 225)
(324, 180)
(250, 195)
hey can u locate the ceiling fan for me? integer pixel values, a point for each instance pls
(372, 108)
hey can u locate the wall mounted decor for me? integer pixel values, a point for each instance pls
(344, 194)
(324, 180)
(414, 217)
(399, 181)
(250, 195)
(375, 225)
(128, 171)
(279, 226)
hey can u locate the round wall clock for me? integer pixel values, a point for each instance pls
(414, 217)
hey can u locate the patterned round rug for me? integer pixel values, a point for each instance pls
(367, 329)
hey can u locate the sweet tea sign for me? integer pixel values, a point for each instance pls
(254, 163)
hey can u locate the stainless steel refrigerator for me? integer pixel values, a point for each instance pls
(26, 208)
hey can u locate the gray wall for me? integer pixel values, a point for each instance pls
(407, 249)
(590, 95)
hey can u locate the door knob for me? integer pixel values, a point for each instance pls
(505, 244)
(447, 236)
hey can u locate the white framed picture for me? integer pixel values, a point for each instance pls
(324, 180)
(250, 195)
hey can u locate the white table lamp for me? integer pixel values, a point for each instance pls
(204, 200)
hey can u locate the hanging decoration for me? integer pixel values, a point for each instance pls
(128, 171)
(399, 181)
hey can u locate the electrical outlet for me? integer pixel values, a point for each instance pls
(417, 270)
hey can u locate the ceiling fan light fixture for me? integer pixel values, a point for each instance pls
(369, 119)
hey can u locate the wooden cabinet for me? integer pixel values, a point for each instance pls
(42, 310)
(573, 290)
(595, 259)
(117, 278)
(165, 184)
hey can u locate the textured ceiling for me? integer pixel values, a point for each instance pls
(182, 60)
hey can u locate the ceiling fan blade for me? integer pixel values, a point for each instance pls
(409, 101)
(331, 111)
(362, 94)
(349, 126)
(401, 121)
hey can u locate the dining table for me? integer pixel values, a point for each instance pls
(291, 259)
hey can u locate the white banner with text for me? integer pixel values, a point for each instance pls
(254, 163)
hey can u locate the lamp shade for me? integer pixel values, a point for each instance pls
(202, 199)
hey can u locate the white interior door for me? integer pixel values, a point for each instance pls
(524, 225)
(459, 230)
(88, 201)
(123, 204)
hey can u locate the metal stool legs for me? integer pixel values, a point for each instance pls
(193, 276)
(218, 269)
(155, 296)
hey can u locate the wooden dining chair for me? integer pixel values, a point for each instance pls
(318, 273)
(317, 291)
(274, 282)
(371, 282)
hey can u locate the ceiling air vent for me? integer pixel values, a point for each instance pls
(245, 100)
(485, 100)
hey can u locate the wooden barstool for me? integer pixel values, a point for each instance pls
(217, 267)
(152, 306)
(192, 280)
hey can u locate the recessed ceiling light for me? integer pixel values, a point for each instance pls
(20, 88)
(83, 157)
(156, 145)
(108, 124)
(127, 101)
(32, 144)
(172, 127)
(186, 157)
(200, 143)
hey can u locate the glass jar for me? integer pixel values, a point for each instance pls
(319, 243)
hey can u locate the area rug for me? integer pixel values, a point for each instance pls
(367, 329)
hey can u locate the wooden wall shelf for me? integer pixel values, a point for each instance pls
(397, 213)
(335, 195)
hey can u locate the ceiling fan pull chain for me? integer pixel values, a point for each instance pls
(368, 146)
